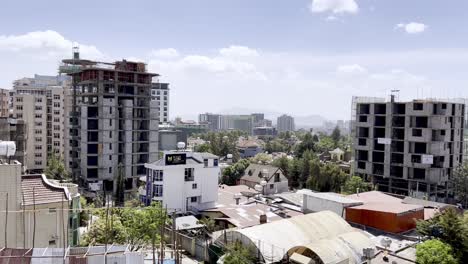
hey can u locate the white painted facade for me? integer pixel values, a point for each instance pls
(173, 186)
(160, 93)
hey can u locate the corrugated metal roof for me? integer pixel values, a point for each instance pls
(315, 230)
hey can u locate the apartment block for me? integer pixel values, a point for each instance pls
(4, 102)
(39, 102)
(160, 93)
(112, 120)
(243, 123)
(213, 121)
(410, 148)
(285, 123)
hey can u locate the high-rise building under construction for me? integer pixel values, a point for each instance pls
(410, 148)
(112, 120)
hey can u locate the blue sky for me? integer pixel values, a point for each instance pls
(294, 56)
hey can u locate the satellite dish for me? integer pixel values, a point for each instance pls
(180, 145)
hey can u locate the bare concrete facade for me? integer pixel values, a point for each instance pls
(409, 148)
(113, 122)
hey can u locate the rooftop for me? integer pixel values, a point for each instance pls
(247, 212)
(38, 190)
(259, 172)
(378, 201)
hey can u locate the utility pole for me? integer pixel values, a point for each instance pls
(34, 217)
(6, 221)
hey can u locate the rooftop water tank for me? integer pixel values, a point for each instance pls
(7, 148)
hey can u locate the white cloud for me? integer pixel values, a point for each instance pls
(331, 18)
(229, 61)
(413, 27)
(47, 44)
(165, 53)
(351, 69)
(238, 51)
(335, 6)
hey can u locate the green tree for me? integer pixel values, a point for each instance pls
(434, 251)
(294, 173)
(234, 172)
(336, 135)
(451, 228)
(56, 168)
(307, 143)
(203, 148)
(354, 184)
(120, 190)
(84, 215)
(239, 254)
(325, 143)
(460, 183)
(262, 158)
(209, 223)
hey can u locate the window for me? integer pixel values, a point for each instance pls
(193, 199)
(277, 177)
(110, 122)
(57, 143)
(444, 106)
(38, 132)
(110, 169)
(157, 175)
(38, 116)
(157, 190)
(110, 146)
(205, 162)
(165, 92)
(110, 134)
(38, 147)
(442, 132)
(215, 162)
(110, 157)
(417, 132)
(56, 112)
(19, 107)
(19, 116)
(52, 210)
(38, 155)
(56, 127)
(38, 108)
(110, 110)
(38, 162)
(56, 135)
(194, 186)
(418, 106)
(56, 119)
(38, 139)
(189, 174)
(56, 97)
(20, 99)
(56, 104)
(272, 186)
(38, 123)
(52, 243)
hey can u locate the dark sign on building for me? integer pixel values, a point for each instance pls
(176, 159)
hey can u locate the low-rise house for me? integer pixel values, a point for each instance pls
(40, 212)
(239, 207)
(248, 148)
(183, 181)
(269, 178)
